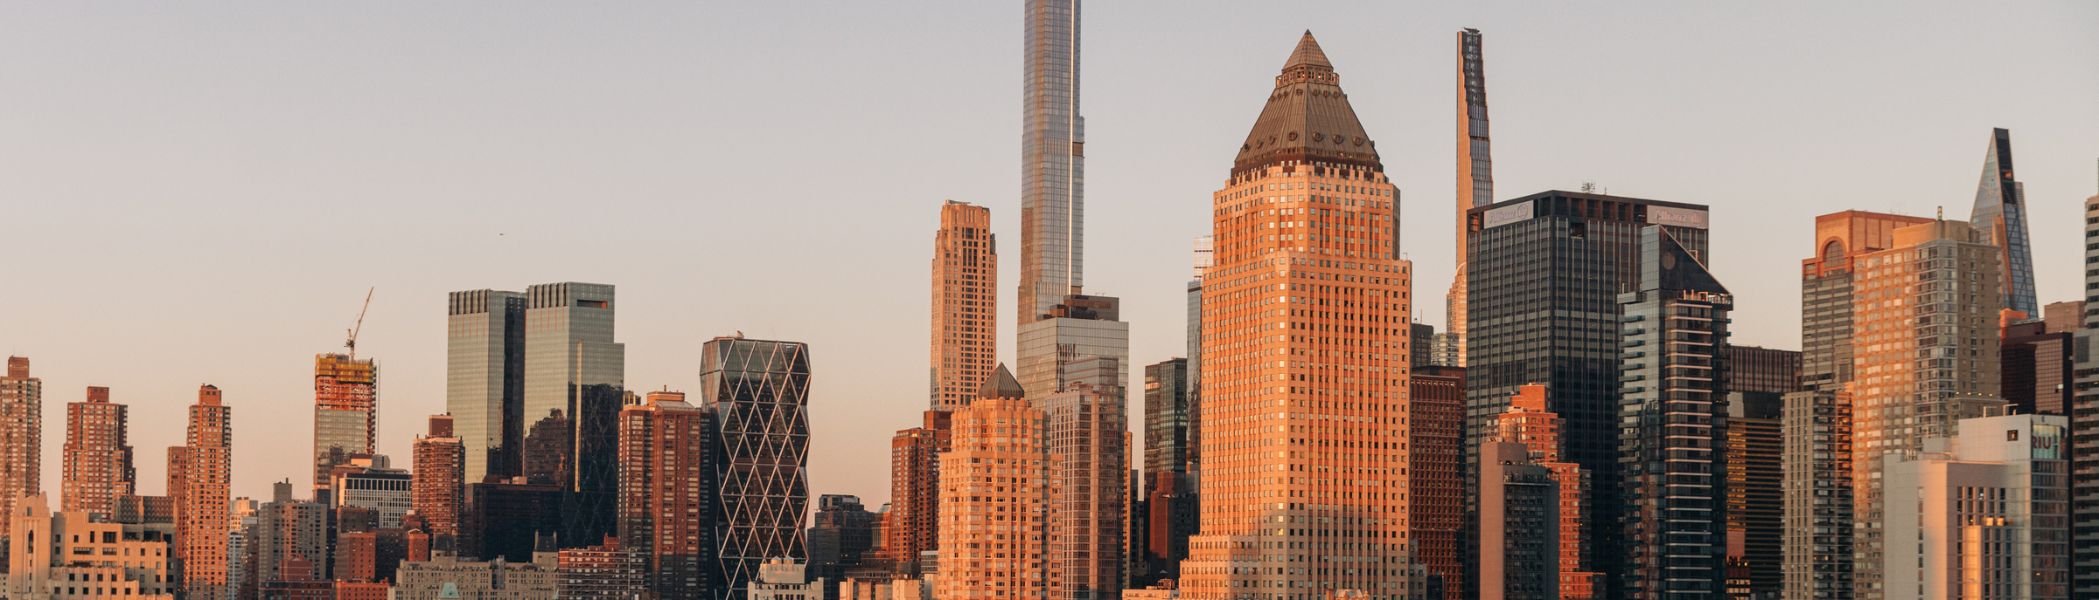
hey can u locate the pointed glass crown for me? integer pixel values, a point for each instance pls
(1307, 119)
(1001, 384)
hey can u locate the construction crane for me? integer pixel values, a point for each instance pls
(352, 342)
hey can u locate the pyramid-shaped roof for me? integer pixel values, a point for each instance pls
(1001, 384)
(1307, 119)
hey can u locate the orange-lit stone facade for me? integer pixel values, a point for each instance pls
(965, 304)
(1528, 422)
(1305, 358)
(204, 516)
(914, 492)
(1925, 354)
(98, 467)
(21, 434)
(440, 477)
(994, 496)
(663, 511)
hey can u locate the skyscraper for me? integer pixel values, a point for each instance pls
(965, 304)
(1544, 277)
(1305, 332)
(2084, 421)
(1436, 477)
(758, 391)
(21, 434)
(1757, 381)
(98, 468)
(1085, 431)
(1518, 540)
(914, 497)
(345, 412)
(440, 483)
(1195, 354)
(574, 375)
(994, 499)
(204, 516)
(1817, 421)
(2037, 368)
(1167, 495)
(2000, 219)
(1934, 293)
(1475, 171)
(1076, 328)
(485, 378)
(1166, 421)
(841, 537)
(666, 507)
(1673, 424)
(1053, 155)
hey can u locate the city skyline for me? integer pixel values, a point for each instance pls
(254, 323)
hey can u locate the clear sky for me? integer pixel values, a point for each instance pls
(201, 194)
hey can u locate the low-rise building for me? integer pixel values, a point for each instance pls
(445, 576)
(65, 555)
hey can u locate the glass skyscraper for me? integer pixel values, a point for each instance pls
(2000, 217)
(1052, 175)
(758, 391)
(485, 378)
(1673, 424)
(1544, 279)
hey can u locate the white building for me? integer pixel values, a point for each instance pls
(784, 579)
(1984, 514)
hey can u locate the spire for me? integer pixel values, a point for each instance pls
(1001, 385)
(1308, 54)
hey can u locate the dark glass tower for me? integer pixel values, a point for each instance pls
(1673, 424)
(2000, 214)
(1544, 279)
(485, 379)
(759, 391)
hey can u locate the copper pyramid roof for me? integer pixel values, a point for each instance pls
(1307, 119)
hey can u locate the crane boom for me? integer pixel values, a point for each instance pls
(352, 342)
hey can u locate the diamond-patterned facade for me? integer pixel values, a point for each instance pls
(760, 391)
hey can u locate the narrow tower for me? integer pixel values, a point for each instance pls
(21, 433)
(1305, 359)
(965, 304)
(98, 466)
(204, 516)
(1052, 173)
(1475, 170)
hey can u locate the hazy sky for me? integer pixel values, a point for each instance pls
(203, 193)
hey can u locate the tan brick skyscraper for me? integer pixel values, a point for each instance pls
(98, 455)
(439, 477)
(965, 304)
(204, 518)
(1305, 358)
(21, 434)
(664, 492)
(994, 493)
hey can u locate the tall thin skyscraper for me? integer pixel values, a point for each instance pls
(1934, 293)
(1305, 374)
(1545, 274)
(98, 466)
(1673, 424)
(994, 499)
(913, 520)
(21, 434)
(1757, 381)
(2000, 218)
(1475, 170)
(965, 304)
(345, 412)
(1052, 151)
(203, 512)
(440, 483)
(759, 393)
(485, 379)
(666, 512)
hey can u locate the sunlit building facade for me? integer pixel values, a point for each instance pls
(1305, 360)
(98, 469)
(203, 511)
(995, 500)
(21, 434)
(965, 304)
(345, 412)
